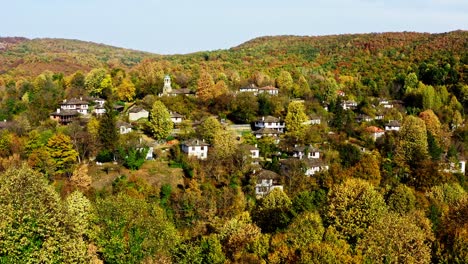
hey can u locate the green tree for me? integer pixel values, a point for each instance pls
(353, 207)
(412, 147)
(295, 119)
(94, 81)
(306, 228)
(209, 128)
(131, 230)
(273, 212)
(285, 82)
(398, 239)
(35, 227)
(160, 123)
(64, 156)
(107, 129)
(224, 144)
(402, 199)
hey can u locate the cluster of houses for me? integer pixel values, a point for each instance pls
(307, 158)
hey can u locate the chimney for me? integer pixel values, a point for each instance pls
(64, 100)
(263, 118)
(58, 110)
(81, 98)
(255, 145)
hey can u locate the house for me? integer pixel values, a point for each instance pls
(75, 105)
(266, 181)
(363, 118)
(99, 110)
(176, 118)
(375, 132)
(251, 88)
(123, 127)
(136, 113)
(457, 167)
(340, 93)
(392, 125)
(268, 90)
(270, 122)
(379, 116)
(64, 117)
(349, 105)
(196, 148)
(313, 166)
(301, 151)
(267, 132)
(313, 120)
(385, 103)
(5, 124)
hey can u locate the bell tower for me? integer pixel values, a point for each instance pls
(167, 85)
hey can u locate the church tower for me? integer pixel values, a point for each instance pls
(167, 85)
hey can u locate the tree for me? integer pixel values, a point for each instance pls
(401, 199)
(131, 230)
(107, 129)
(295, 121)
(244, 107)
(94, 81)
(273, 212)
(285, 82)
(160, 122)
(302, 88)
(398, 239)
(80, 177)
(354, 206)
(209, 128)
(224, 144)
(412, 147)
(306, 228)
(126, 90)
(34, 226)
(205, 87)
(62, 153)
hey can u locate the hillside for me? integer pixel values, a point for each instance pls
(22, 56)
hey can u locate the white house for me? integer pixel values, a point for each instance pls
(457, 168)
(268, 90)
(270, 122)
(136, 113)
(267, 132)
(196, 148)
(99, 110)
(350, 104)
(267, 181)
(301, 151)
(392, 125)
(75, 105)
(251, 88)
(313, 166)
(123, 127)
(176, 118)
(375, 132)
(385, 103)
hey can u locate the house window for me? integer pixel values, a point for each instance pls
(193, 148)
(202, 148)
(269, 124)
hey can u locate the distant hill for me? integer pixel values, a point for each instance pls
(379, 56)
(22, 56)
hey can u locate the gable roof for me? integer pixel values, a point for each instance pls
(393, 123)
(265, 130)
(267, 174)
(269, 119)
(194, 142)
(73, 101)
(176, 115)
(137, 109)
(269, 87)
(374, 129)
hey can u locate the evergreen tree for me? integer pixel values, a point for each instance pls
(107, 129)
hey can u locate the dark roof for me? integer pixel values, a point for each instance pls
(136, 109)
(175, 114)
(267, 174)
(124, 124)
(250, 86)
(73, 101)
(180, 91)
(393, 123)
(65, 113)
(267, 131)
(195, 142)
(249, 147)
(5, 124)
(269, 119)
(269, 87)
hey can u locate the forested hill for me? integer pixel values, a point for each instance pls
(376, 58)
(30, 57)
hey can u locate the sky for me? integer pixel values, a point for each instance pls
(183, 26)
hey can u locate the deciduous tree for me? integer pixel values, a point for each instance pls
(160, 123)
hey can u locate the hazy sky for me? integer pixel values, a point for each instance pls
(183, 26)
